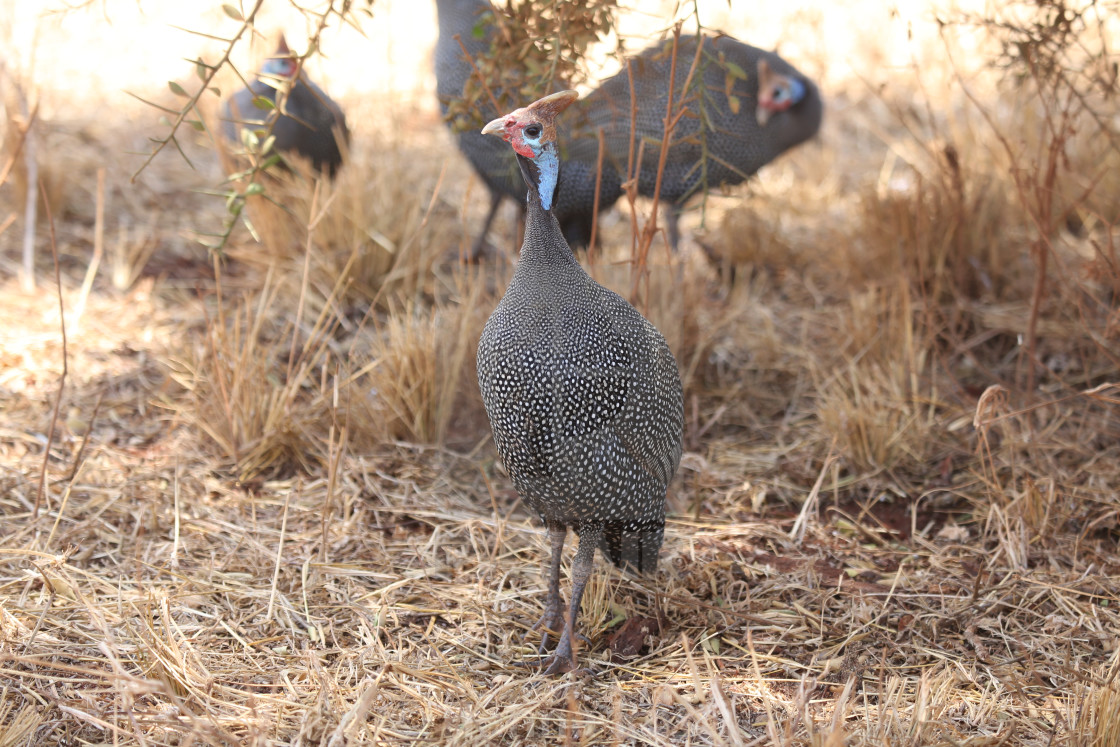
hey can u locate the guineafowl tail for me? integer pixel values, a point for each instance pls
(633, 546)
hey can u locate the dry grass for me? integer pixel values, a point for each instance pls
(270, 512)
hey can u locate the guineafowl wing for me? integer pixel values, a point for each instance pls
(625, 386)
(653, 436)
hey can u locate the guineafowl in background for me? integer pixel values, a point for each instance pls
(471, 21)
(746, 107)
(306, 122)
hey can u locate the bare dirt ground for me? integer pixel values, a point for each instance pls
(252, 498)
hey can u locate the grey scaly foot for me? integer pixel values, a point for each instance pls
(563, 659)
(553, 619)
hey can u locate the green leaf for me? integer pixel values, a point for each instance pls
(233, 12)
(734, 70)
(196, 124)
(200, 69)
(264, 102)
(734, 103)
(255, 188)
(215, 90)
(177, 89)
(618, 614)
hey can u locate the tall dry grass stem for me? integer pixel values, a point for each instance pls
(53, 424)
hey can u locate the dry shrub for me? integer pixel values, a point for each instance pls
(62, 180)
(1022, 521)
(998, 186)
(874, 424)
(539, 46)
(18, 727)
(418, 363)
(1024, 511)
(368, 224)
(26, 133)
(266, 390)
(873, 396)
(773, 223)
(943, 226)
(251, 385)
(1093, 711)
(1058, 64)
(754, 233)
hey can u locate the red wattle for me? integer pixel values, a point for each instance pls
(522, 148)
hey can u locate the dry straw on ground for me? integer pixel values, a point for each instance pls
(270, 513)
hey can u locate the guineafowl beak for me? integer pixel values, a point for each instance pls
(495, 127)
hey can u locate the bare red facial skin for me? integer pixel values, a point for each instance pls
(511, 133)
(520, 146)
(766, 100)
(769, 104)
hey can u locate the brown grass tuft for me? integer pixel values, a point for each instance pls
(369, 225)
(249, 386)
(420, 363)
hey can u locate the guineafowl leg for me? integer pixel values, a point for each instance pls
(480, 240)
(552, 618)
(673, 226)
(564, 659)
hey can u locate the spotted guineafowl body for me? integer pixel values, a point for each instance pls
(584, 399)
(310, 123)
(582, 392)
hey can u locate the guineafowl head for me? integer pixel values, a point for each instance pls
(281, 65)
(782, 91)
(531, 131)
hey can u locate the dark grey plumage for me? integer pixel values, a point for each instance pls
(728, 134)
(582, 392)
(492, 159)
(725, 137)
(310, 123)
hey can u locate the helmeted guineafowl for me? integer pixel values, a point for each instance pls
(307, 122)
(492, 160)
(746, 107)
(582, 392)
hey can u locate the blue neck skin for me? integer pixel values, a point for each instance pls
(548, 170)
(541, 173)
(796, 90)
